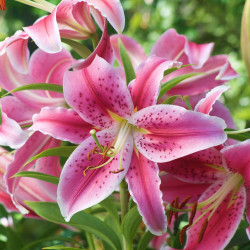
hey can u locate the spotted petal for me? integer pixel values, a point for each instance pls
(95, 91)
(77, 192)
(201, 167)
(144, 186)
(168, 132)
(222, 225)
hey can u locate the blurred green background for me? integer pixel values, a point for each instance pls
(202, 21)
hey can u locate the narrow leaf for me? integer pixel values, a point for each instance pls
(173, 82)
(145, 240)
(37, 175)
(171, 99)
(38, 86)
(65, 151)
(168, 71)
(130, 224)
(61, 247)
(127, 65)
(82, 220)
(240, 136)
(79, 48)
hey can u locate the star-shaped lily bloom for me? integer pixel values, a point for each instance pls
(221, 205)
(133, 134)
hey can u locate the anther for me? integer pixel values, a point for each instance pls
(193, 212)
(176, 205)
(117, 171)
(203, 229)
(170, 214)
(85, 170)
(184, 202)
(182, 233)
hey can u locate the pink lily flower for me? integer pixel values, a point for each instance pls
(221, 206)
(135, 133)
(17, 110)
(28, 189)
(175, 47)
(72, 19)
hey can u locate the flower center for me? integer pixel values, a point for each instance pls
(230, 187)
(110, 151)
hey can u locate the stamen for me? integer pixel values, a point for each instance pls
(170, 214)
(182, 234)
(238, 131)
(184, 202)
(117, 171)
(93, 133)
(193, 212)
(176, 205)
(203, 229)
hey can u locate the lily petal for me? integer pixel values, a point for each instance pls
(201, 167)
(237, 159)
(209, 78)
(63, 124)
(144, 186)
(34, 145)
(172, 187)
(168, 132)
(95, 91)
(77, 192)
(49, 165)
(45, 33)
(103, 50)
(17, 51)
(17, 110)
(205, 105)
(145, 88)
(171, 46)
(133, 48)
(222, 225)
(198, 54)
(112, 10)
(11, 133)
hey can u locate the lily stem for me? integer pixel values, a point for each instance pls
(90, 241)
(124, 207)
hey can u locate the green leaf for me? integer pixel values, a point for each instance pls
(40, 241)
(130, 224)
(173, 82)
(37, 86)
(65, 151)
(38, 175)
(82, 220)
(171, 99)
(239, 137)
(168, 71)
(128, 68)
(109, 205)
(79, 48)
(61, 247)
(147, 237)
(14, 240)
